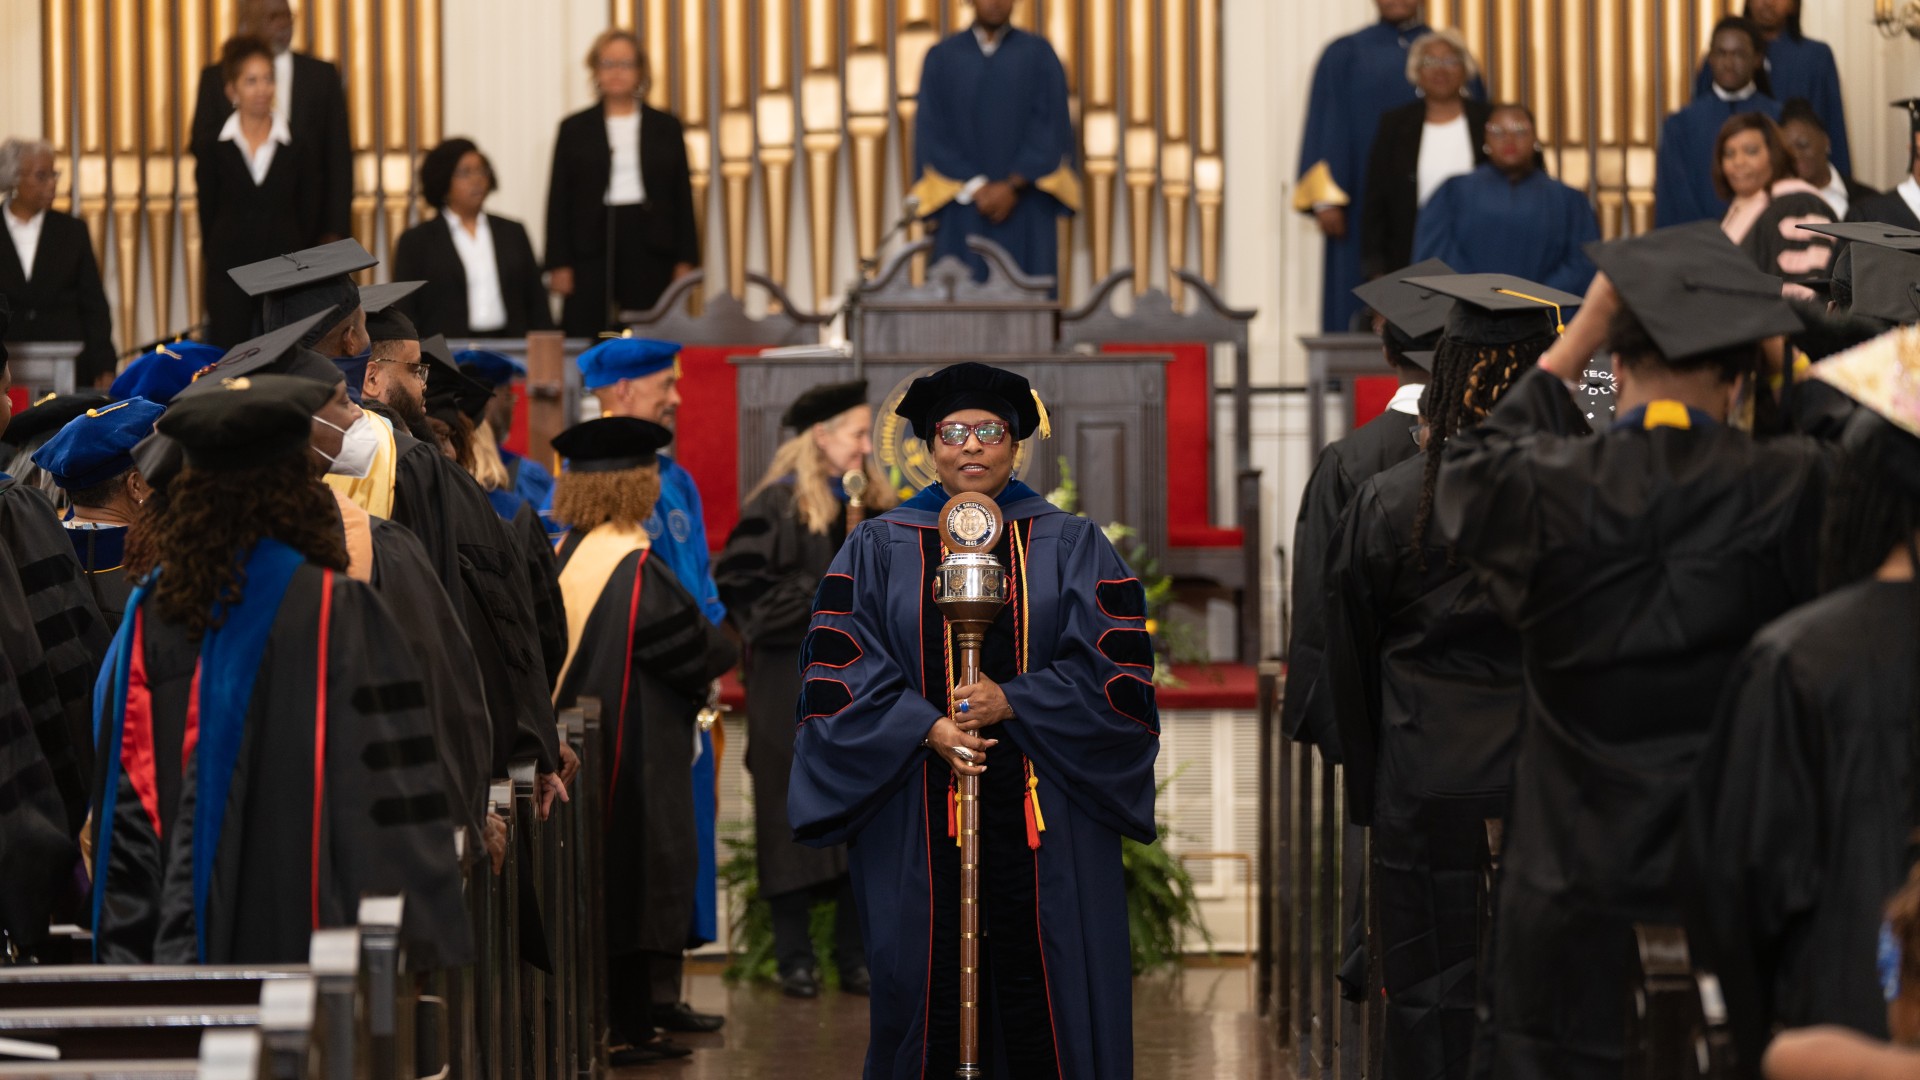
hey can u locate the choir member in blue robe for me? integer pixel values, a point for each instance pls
(526, 477)
(993, 143)
(1798, 67)
(639, 378)
(1358, 77)
(1062, 729)
(91, 459)
(1508, 216)
(1683, 181)
(164, 372)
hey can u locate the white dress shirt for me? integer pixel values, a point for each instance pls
(261, 160)
(1909, 190)
(1446, 151)
(989, 43)
(486, 307)
(283, 85)
(625, 186)
(1835, 193)
(1741, 94)
(1407, 399)
(25, 235)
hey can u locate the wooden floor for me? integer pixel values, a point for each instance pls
(1195, 1023)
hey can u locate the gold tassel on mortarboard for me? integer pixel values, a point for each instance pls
(1046, 424)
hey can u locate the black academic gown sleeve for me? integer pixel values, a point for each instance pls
(53, 637)
(1797, 832)
(424, 614)
(542, 576)
(768, 572)
(1360, 569)
(40, 852)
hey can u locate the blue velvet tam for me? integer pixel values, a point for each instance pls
(491, 368)
(617, 359)
(97, 445)
(164, 372)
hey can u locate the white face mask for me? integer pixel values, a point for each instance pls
(359, 444)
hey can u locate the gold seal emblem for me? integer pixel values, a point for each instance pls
(906, 458)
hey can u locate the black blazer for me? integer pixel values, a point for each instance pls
(426, 253)
(1886, 207)
(576, 194)
(1393, 183)
(65, 300)
(317, 118)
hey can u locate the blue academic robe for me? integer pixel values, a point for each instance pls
(1683, 181)
(995, 116)
(1073, 657)
(1359, 77)
(1800, 67)
(1481, 223)
(679, 535)
(531, 480)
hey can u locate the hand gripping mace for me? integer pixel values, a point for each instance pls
(970, 588)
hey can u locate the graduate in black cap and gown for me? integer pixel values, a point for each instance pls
(1901, 206)
(792, 525)
(1062, 730)
(1800, 828)
(52, 640)
(92, 461)
(1424, 676)
(412, 483)
(1411, 319)
(640, 643)
(254, 794)
(1636, 563)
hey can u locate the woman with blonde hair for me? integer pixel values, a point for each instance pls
(790, 529)
(620, 224)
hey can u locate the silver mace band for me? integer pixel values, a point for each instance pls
(970, 588)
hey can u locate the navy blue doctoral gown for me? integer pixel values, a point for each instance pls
(1482, 223)
(1085, 724)
(1359, 77)
(1800, 67)
(1683, 183)
(996, 116)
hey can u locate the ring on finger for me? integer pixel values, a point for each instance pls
(963, 754)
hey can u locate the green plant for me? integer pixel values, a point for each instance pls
(1161, 906)
(750, 925)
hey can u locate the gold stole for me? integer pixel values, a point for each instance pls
(585, 576)
(359, 529)
(374, 491)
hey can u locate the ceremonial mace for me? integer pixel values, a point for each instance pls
(970, 588)
(855, 483)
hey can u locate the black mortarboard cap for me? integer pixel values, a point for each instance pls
(384, 321)
(49, 415)
(823, 403)
(1878, 233)
(240, 422)
(279, 352)
(159, 459)
(450, 391)
(1414, 316)
(1421, 358)
(932, 398)
(1886, 284)
(1693, 290)
(293, 286)
(611, 444)
(1499, 309)
(1912, 105)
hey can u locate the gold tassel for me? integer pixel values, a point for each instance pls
(1046, 424)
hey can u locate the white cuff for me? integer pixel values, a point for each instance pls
(967, 192)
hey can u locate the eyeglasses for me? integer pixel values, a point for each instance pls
(989, 432)
(1419, 433)
(417, 372)
(1441, 62)
(478, 172)
(1506, 131)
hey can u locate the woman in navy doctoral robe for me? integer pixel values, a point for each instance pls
(1065, 691)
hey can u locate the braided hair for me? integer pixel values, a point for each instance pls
(1467, 383)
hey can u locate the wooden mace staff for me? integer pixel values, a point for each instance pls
(970, 588)
(855, 483)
